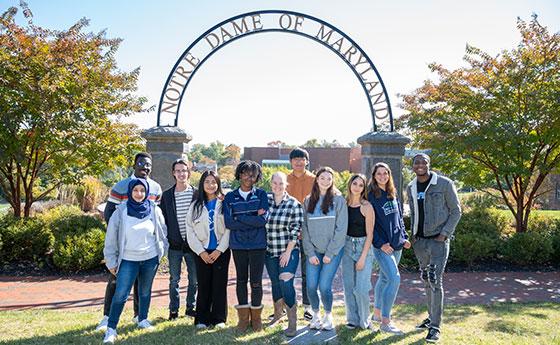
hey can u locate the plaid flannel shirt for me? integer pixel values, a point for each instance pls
(284, 224)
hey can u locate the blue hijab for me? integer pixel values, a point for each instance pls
(134, 208)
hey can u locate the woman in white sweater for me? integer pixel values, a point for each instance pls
(209, 239)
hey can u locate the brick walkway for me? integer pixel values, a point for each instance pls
(20, 293)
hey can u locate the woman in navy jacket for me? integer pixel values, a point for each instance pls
(245, 215)
(389, 237)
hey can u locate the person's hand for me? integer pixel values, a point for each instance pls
(314, 260)
(326, 260)
(360, 264)
(261, 211)
(113, 271)
(441, 238)
(205, 257)
(387, 249)
(285, 258)
(407, 244)
(214, 255)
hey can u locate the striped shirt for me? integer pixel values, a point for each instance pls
(182, 203)
(284, 224)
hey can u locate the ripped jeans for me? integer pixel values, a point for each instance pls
(283, 288)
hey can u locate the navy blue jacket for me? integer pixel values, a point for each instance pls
(247, 228)
(389, 225)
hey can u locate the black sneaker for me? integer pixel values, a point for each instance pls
(173, 315)
(271, 316)
(307, 315)
(190, 312)
(424, 324)
(433, 335)
(350, 326)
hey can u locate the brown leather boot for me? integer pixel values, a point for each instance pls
(243, 314)
(291, 331)
(278, 313)
(256, 321)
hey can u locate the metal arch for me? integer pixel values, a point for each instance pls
(354, 44)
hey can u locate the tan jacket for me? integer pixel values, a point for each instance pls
(198, 231)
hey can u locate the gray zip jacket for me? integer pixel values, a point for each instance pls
(325, 233)
(115, 239)
(442, 209)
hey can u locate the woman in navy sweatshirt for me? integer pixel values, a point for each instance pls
(389, 237)
(245, 215)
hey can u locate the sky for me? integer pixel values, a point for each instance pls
(274, 86)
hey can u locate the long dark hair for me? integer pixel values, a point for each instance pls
(316, 193)
(202, 198)
(389, 187)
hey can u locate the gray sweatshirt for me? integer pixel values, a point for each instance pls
(325, 233)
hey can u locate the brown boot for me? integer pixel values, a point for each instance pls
(256, 321)
(278, 312)
(291, 331)
(243, 313)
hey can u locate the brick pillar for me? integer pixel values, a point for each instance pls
(165, 144)
(385, 147)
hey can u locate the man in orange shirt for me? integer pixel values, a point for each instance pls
(300, 182)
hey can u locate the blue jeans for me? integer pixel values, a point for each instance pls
(282, 288)
(128, 272)
(175, 258)
(321, 276)
(357, 284)
(388, 281)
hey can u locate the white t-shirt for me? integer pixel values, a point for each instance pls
(244, 194)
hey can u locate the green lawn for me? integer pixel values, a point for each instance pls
(544, 213)
(4, 206)
(495, 324)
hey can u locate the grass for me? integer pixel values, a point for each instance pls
(464, 324)
(542, 213)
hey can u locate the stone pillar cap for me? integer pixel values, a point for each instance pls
(383, 138)
(167, 132)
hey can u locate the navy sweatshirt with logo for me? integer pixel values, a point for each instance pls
(247, 228)
(389, 225)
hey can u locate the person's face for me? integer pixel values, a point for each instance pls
(138, 193)
(247, 179)
(278, 185)
(420, 166)
(181, 173)
(210, 185)
(357, 186)
(325, 180)
(381, 176)
(298, 164)
(143, 167)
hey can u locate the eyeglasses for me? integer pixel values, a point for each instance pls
(183, 171)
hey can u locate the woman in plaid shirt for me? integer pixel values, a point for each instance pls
(282, 254)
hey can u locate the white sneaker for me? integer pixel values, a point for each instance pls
(327, 322)
(390, 328)
(110, 336)
(102, 324)
(315, 322)
(135, 320)
(145, 324)
(220, 325)
(201, 326)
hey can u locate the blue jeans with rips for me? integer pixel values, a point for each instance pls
(282, 288)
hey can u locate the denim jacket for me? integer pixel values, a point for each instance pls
(442, 209)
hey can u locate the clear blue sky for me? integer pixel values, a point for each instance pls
(254, 90)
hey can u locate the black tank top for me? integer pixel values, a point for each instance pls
(356, 222)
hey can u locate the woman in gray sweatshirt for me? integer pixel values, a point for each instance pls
(323, 236)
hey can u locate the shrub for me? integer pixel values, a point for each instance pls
(24, 239)
(90, 193)
(79, 252)
(79, 238)
(478, 236)
(528, 248)
(555, 241)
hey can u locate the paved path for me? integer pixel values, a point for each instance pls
(20, 293)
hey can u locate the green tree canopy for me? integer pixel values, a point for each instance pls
(61, 95)
(496, 122)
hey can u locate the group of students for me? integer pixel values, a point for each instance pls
(305, 217)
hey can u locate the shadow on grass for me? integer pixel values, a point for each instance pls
(510, 327)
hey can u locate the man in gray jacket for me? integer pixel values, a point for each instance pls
(434, 213)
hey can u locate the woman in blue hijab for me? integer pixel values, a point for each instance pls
(136, 241)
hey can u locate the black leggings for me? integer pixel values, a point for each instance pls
(249, 265)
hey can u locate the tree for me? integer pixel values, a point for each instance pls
(61, 95)
(496, 123)
(312, 143)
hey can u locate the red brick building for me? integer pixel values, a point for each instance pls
(338, 158)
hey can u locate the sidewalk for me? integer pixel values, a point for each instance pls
(20, 293)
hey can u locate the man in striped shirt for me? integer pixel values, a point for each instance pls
(175, 204)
